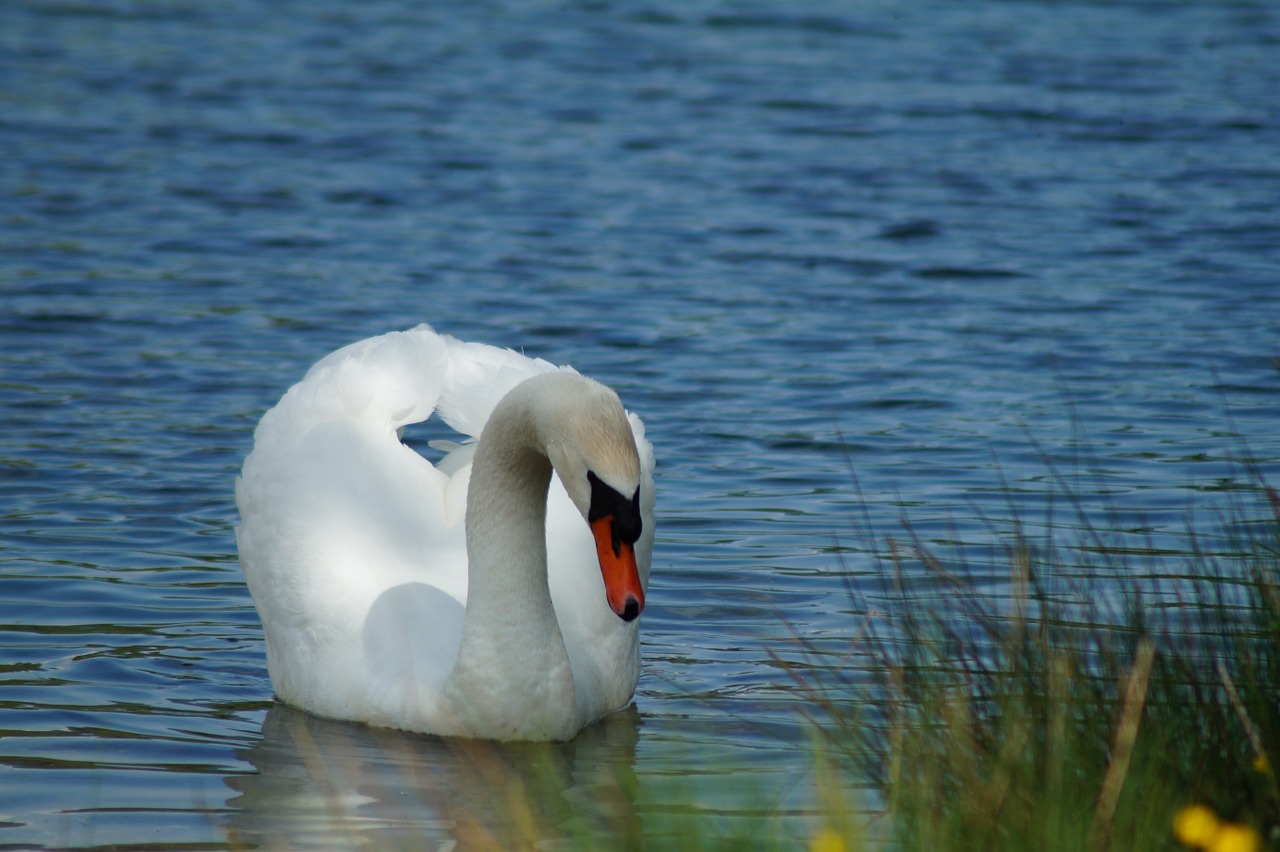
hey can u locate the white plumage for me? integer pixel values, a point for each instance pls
(355, 547)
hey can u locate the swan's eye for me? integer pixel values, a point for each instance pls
(606, 502)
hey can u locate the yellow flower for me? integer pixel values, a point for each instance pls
(828, 840)
(1196, 825)
(1232, 837)
(1260, 764)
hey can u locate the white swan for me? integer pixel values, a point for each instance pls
(495, 594)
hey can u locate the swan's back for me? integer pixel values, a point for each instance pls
(353, 545)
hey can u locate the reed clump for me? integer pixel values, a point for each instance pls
(1120, 710)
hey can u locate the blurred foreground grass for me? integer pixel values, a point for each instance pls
(1100, 710)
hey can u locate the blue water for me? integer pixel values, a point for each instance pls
(855, 264)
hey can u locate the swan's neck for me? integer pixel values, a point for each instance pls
(512, 649)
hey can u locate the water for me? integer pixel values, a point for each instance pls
(796, 238)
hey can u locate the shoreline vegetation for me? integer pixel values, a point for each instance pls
(1099, 705)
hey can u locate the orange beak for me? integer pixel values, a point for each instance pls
(618, 566)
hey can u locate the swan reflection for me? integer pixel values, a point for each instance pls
(339, 784)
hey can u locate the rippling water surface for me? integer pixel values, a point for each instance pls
(803, 240)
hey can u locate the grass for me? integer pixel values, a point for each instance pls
(1097, 713)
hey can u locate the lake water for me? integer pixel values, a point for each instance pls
(929, 244)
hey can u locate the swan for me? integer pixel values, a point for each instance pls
(495, 594)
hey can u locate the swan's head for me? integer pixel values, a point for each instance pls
(591, 446)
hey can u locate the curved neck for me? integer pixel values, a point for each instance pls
(511, 646)
(506, 519)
